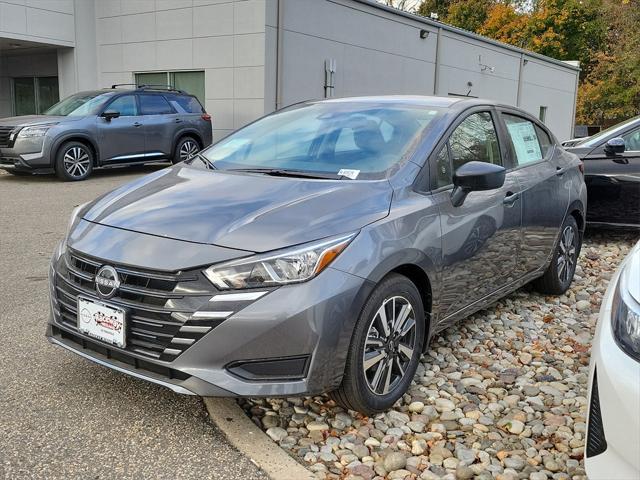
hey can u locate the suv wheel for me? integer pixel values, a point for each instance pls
(74, 161)
(186, 148)
(559, 275)
(385, 348)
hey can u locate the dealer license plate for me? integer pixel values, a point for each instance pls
(101, 321)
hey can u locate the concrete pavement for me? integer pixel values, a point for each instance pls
(63, 416)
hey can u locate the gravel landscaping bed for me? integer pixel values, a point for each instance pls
(500, 395)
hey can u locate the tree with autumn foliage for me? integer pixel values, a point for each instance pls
(603, 35)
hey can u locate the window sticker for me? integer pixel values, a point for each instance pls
(525, 142)
(352, 174)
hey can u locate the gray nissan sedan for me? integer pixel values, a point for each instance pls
(319, 248)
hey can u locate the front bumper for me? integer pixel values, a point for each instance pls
(291, 341)
(27, 155)
(616, 400)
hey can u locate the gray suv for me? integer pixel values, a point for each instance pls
(105, 128)
(319, 248)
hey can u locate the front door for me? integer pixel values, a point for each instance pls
(613, 183)
(122, 140)
(481, 237)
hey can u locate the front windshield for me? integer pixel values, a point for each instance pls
(78, 105)
(347, 139)
(594, 140)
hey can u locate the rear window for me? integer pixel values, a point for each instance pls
(184, 104)
(154, 105)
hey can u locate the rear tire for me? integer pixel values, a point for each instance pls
(186, 148)
(559, 274)
(385, 348)
(74, 161)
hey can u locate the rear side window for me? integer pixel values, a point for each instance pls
(154, 105)
(475, 139)
(545, 141)
(184, 104)
(524, 139)
(125, 105)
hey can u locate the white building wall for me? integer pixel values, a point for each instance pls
(381, 52)
(224, 38)
(46, 21)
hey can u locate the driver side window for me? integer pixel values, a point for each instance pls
(475, 139)
(126, 105)
(632, 141)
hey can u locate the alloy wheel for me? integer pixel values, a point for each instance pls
(389, 345)
(567, 255)
(188, 149)
(76, 162)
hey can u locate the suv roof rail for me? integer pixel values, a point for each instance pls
(116, 85)
(159, 86)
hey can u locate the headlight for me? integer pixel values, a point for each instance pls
(75, 215)
(626, 316)
(35, 131)
(292, 265)
(62, 246)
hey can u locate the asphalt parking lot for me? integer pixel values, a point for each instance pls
(62, 416)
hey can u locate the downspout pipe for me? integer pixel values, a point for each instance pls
(279, 43)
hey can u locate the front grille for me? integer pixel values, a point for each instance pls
(158, 305)
(5, 133)
(596, 443)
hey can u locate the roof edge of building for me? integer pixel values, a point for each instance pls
(467, 33)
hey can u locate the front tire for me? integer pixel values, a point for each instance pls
(186, 148)
(74, 161)
(385, 348)
(559, 274)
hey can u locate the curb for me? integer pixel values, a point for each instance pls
(252, 442)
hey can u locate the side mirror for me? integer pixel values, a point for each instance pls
(110, 115)
(473, 177)
(614, 146)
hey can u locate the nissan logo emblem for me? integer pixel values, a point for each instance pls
(107, 281)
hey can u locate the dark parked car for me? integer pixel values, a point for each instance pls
(105, 128)
(612, 174)
(319, 248)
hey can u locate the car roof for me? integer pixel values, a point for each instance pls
(454, 103)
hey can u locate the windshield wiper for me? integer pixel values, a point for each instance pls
(282, 172)
(209, 164)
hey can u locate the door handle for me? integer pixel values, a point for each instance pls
(177, 120)
(560, 171)
(510, 198)
(137, 124)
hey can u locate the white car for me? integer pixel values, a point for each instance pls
(613, 430)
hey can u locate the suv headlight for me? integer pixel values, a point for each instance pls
(34, 131)
(291, 265)
(626, 315)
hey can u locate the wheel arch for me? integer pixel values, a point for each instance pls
(420, 269)
(193, 133)
(75, 137)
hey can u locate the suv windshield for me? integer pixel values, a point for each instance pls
(349, 139)
(80, 104)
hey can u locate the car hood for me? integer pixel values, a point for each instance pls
(28, 120)
(250, 212)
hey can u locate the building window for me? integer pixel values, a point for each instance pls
(34, 95)
(190, 82)
(542, 114)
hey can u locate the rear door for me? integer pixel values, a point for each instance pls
(159, 125)
(122, 139)
(546, 190)
(480, 238)
(613, 183)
